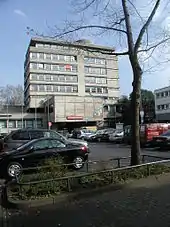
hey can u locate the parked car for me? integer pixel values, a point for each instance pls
(94, 137)
(162, 141)
(105, 134)
(117, 136)
(147, 132)
(18, 137)
(85, 133)
(34, 152)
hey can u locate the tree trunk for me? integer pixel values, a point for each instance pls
(135, 105)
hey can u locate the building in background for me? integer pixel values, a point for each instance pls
(16, 117)
(70, 83)
(162, 104)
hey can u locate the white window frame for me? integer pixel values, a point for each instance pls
(39, 77)
(39, 88)
(40, 66)
(47, 89)
(38, 56)
(45, 56)
(31, 65)
(46, 68)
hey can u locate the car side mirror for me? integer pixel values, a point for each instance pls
(31, 149)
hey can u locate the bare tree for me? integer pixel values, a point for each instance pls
(12, 95)
(124, 21)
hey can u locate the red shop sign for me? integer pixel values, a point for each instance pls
(74, 118)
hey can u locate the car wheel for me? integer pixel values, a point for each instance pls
(78, 162)
(14, 169)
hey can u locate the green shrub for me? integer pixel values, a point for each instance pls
(50, 170)
(57, 170)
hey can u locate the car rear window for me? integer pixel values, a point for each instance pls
(36, 134)
(21, 136)
(52, 134)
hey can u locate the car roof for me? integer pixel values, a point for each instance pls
(31, 129)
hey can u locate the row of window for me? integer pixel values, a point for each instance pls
(95, 70)
(67, 58)
(54, 46)
(57, 47)
(54, 67)
(162, 94)
(53, 88)
(163, 107)
(67, 78)
(57, 78)
(96, 61)
(99, 90)
(68, 68)
(54, 57)
(95, 80)
(19, 124)
(66, 89)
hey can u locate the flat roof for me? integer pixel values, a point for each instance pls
(78, 43)
(162, 89)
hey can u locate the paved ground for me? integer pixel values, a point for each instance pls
(106, 151)
(145, 203)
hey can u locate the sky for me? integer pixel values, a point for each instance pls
(16, 15)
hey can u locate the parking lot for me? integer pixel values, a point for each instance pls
(105, 151)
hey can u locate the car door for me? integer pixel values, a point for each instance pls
(41, 151)
(59, 148)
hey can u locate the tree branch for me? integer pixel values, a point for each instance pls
(145, 26)
(106, 52)
(136, 10)
(89, 26)
(128, 27)
(154, 46)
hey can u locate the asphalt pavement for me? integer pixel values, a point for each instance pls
(103, 152)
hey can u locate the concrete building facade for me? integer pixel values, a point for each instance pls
(78, 79)
(16, 117)
(162, 104)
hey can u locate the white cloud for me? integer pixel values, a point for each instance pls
(19, 12)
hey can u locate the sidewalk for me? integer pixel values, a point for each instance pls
(142, 203)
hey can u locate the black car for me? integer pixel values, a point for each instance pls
(19, 137)
(34, 152)
(161, 141)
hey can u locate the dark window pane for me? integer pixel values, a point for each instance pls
(36, 134)
(57, 144)
(54, 135)
(21, 136)
(42, 144)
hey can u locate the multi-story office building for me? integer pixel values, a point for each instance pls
(162, 104)
(77, 79)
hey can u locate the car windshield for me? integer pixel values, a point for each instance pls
(166, 133)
